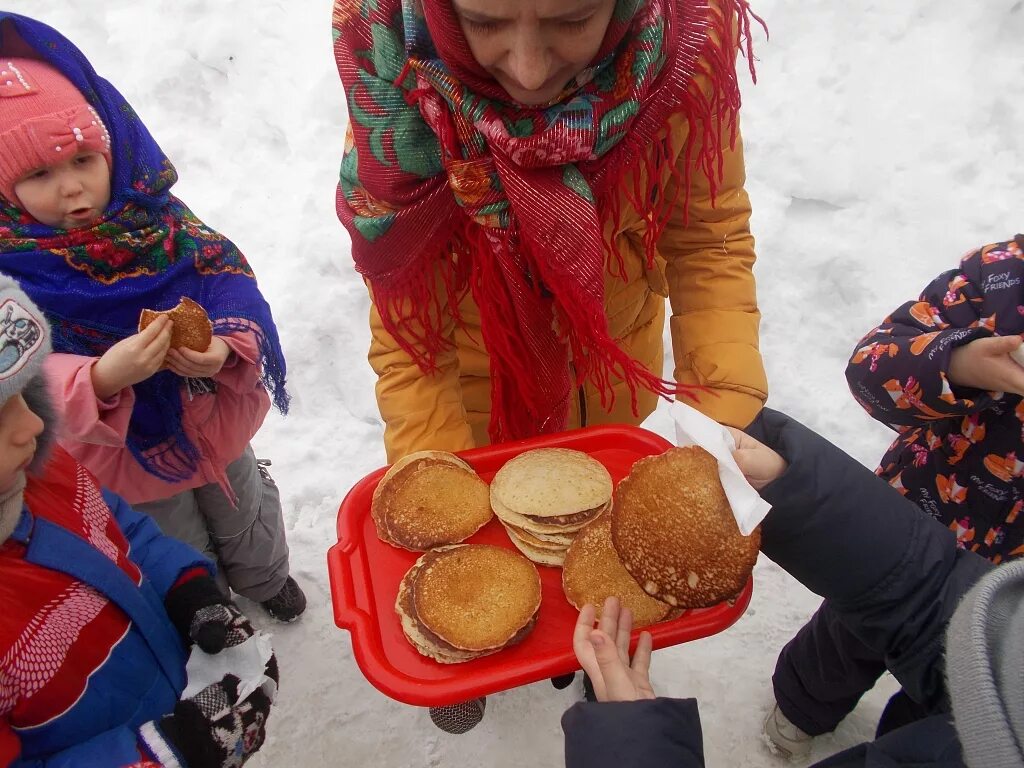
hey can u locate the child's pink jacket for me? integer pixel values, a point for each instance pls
(220, 425)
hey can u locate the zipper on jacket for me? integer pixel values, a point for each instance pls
(581, 396)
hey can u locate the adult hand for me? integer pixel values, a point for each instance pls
(758, 463)
(199, 365)
(604, 653)
(986, 364)
(133, 359)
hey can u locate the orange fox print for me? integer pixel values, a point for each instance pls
(909, 396)
(950, 491)
(874, 352)
(1014, 512)
(920, 344)
(927, 315)
(1006, 468)
(995, 536)
(1010, 251)
(971, 433)
(954, 295)
(964, 531)
(988, 323)
(897, 483)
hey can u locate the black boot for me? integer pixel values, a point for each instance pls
(459, 718)
(563, 681)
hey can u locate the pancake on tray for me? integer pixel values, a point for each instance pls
(429, 499)
(593, 572)
(544, 497)
(465, 601)
(675, 533)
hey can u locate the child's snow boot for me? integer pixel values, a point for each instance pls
(784, 738)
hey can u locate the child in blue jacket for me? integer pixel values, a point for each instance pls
(99, 607)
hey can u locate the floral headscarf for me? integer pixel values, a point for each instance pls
(444, 175)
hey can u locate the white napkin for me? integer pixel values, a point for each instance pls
(245, 661)
(694, 428)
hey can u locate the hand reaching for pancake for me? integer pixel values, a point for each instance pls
(758, 463)
(199, 365)
(604, 654)
(133, 359)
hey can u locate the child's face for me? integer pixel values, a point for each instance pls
(71, 194)
(19, 428)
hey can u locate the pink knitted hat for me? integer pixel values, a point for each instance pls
(43, 120)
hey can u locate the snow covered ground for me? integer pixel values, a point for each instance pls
(883, 141)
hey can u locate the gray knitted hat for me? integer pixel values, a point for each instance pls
(24, 339)
(985, 669)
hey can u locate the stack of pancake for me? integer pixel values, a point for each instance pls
(465, 601)
(593, 572)
(429, 499)
(675, 533)
(546, 496)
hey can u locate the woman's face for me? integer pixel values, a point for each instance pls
(533, 48)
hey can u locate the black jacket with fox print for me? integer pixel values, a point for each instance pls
(960, 451)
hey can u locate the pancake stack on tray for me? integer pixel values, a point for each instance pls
(544, 497)
(429, 499)
(593, 572)
(465, 601)
(675, 532)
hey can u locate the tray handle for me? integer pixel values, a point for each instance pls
(347, 613)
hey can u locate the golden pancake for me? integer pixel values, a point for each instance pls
(476, 597)
(430, 502)
(411, 626)
(555, 486)
(522, 522)
(540, 555)
(192, 327)
(592, 572)
(675, 532)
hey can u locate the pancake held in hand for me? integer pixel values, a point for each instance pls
(192, 327)
(429, 499)
(592, 572)
(465, 601)
(675, 532)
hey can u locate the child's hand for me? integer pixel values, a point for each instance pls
(199, 365)
(604, 654)
(133, 359)
(758, 463)
(986, 364)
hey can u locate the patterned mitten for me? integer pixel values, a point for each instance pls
(205, 615)
(212, 729)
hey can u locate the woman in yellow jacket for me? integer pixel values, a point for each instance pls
(525, 182)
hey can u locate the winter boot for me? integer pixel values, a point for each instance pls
(459, 718)
(784, 738)
(288, 604)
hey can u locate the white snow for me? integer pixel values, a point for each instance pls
(883, 141)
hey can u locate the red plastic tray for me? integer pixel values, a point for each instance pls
(365, 574)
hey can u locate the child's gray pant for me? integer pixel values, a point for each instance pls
(247, 542)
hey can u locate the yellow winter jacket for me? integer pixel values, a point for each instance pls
(703, 267)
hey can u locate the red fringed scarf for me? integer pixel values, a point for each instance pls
(444, 177)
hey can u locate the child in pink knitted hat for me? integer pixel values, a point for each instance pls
(55, 160)
(89, 227)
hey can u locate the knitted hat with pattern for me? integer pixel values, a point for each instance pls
(44, 120)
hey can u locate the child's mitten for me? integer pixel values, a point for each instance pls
(205, 615)
(212, 729)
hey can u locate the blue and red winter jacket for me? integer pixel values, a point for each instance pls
(87, 651)
(960, 451)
